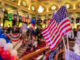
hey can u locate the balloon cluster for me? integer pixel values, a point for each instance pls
(33, 22)
(6, 48)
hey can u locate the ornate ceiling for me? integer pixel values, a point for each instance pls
(48, 6)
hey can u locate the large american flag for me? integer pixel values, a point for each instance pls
(60, 25)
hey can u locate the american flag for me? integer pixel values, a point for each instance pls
(54, 32)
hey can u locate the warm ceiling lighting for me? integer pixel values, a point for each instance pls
(74, 6)
(24, 3)
(41, 9)
(29, 8)
(79, 5)
(47, 10)
(19, 2)
(33, 8)
(67, 6)
(1, 24)
(53, 7)
(12, 0)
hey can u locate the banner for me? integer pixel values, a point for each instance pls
(14, 37)
(71, 56)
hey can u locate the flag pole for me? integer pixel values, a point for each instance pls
(68, 45)
(64, 43)
(67, 42)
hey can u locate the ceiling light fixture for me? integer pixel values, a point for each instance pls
(41, 9)
(53, 7)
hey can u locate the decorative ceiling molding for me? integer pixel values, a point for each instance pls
(78, 4)
(56, 7)
(47, 4)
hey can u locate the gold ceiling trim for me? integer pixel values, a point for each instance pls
(49, 3)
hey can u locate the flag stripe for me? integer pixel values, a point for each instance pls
(49, 27)
(59, 25)
(59, 39)
(55, 31)
(59, 34)
(49, 31)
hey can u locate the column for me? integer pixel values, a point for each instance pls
(18, 17)
(2, 14)
(74, 14)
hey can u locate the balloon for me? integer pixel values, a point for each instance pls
(8, 41)
(14, 58)
(8, 46)
(33, 21)
(6, 54)
(4, 36)
(1, 36)
(1, 50)
(1, 58)
(13, 52)
(1, 31)
(2, 42)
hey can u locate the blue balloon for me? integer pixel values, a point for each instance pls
(1, 36)
(1, 58)
(33, 21)
(8, 41)
(1, 31)
(6, 38)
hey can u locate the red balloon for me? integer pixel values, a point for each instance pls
(14, 58)
(1, 50)
(6, 54)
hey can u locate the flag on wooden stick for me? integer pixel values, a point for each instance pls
(54, 32)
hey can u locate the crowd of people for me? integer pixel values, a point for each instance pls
(30, 35)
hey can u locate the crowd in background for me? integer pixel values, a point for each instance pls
(30, 35)
(33, 36)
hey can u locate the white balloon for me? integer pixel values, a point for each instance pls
(8, 46)
(2, 42)
(13, 52)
